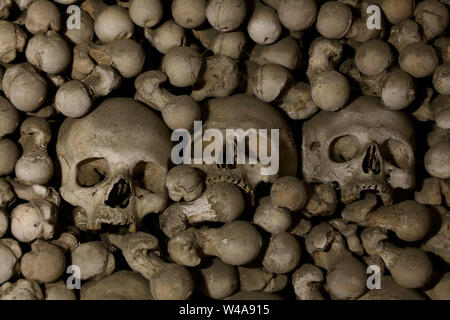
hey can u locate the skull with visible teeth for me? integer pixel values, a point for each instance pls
(362, 147)
(246, 112)
(114, 163)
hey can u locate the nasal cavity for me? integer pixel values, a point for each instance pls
(372, 160)
(120, 195)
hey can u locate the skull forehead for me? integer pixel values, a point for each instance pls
(243, 111)
(120, 129)
(365, 117)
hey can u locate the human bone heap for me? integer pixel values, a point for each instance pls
(94, 205)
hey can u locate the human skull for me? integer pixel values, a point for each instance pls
(362, 147)
(246, 112)
(114, 162)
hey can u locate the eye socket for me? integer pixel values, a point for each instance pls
(396, 152)
(149, 176)
(344, 148)
(92, 171)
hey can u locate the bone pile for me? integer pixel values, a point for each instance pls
(92, 205)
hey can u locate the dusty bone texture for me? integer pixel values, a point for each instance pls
(283, 253)
(409, 220)
(439, 242)
(177, 111)
(21, 290)
(94, 260)
(13, 41)
(219, 280)
(285, 52)
(390, 290)
(350, 232)
(35, 192)
(246, 112)
(166, 36)
(100, 79)
(10, 253)
(23, 78)
(328, 250)
(230, 44)
(189, 247)
(220, 78)
(399, 260)
(271, 218)
(252, 278)
(34, 167)
(58, 291)
(221, 202)
(167, 280)
(121, 285)
(322, 200)
(125, 55)
(45, 262)
(441, 291)
(348, 151)
(184, 183)
(307, 281)
(117, 159)
(34, 220)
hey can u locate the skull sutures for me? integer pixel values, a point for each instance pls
(114, 162)
(362, 147)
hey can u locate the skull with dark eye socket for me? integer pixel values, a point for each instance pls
(246, 113)
(114, 163)
(363, 147)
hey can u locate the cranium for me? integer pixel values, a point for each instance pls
(362, 147)
(114, 162)
(246, 112)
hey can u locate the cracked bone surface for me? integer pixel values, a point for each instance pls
(230, 44)
(13, 40)
(7, 198)
(220, 78)
(235, 243)
(220, 202)
(167, 280)
(184, 183)
(34, 167)
(177, 111)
